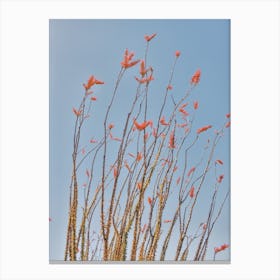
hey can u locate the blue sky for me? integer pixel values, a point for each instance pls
(80, 48)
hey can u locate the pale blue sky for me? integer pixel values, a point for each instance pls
(79, 48)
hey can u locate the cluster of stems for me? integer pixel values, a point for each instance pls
(139, 204)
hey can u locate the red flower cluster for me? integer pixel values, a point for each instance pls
(204, 128)
(191, 193)
(220, 179)
(141, 126)
(91, 82)
(127, 59)
(221, 248)
(172, 140)
(196, 77)
(148, 38)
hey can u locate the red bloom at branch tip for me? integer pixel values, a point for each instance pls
(139, 186)
(150, 200)
(93, 98)
(195, 105)
(162, 121)
(228, 115)
(141, 126)
(148, 38)
(143, 70)
(220, 179)
(154, 132)
(76, 112)
(191, 171)
(227, 124)
(169, 87)
(127, 60)
(111, 125)
(177, 53)
(92, 141)
(144, 228)
(139, 156)
(115, 172)
(146, 136)
(127, 166)
(219, 161)
(91, 82)
(191, 193)
(172, 140)
(221, 248)
(184, 112)
(196, 77)
(204, 128)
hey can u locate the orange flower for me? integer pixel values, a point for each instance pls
(191, 171)
(191, 193)
(139, 186)
(127, 63)
(144, 80)
(163, 122)
(220, 179)
(183, 111)
(204, 128)
(91, 82)
(221, 248)
(169, 87)
(127, 166)
(76, 112)
(115, 172)
(154, 132)
(150, 200)
(111, 125)
(144, 228)
(139, 156)
(219, 162)
(182, 125)
(143, 71)
(196, 77)
(172, 140)
(195, 105)
(228, 115)
(177, 53)
(146, 136)
(92, 141)
(184, 105)
(93, 98)
(227, 124)
(148, 38)
(141, 126)
(167, 221)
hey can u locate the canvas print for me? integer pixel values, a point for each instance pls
(139, 141)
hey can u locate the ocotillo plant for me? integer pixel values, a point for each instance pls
(121, 212)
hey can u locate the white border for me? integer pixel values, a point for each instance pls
(255, 137)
